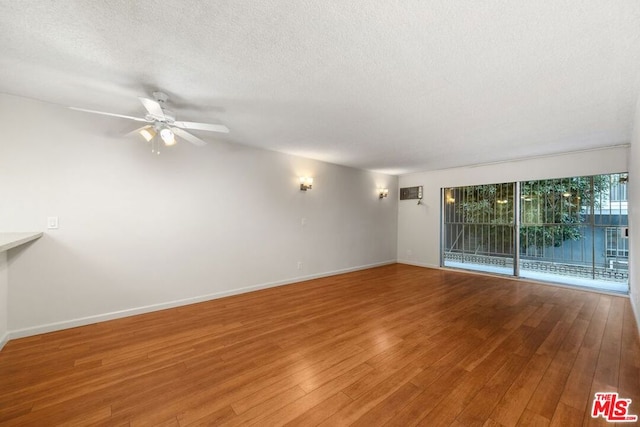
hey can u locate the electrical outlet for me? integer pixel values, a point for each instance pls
(409, 253)
(52, 222)
(299, 265)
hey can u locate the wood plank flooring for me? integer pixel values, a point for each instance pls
(396, 345)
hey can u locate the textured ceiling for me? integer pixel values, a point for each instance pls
(392, 86)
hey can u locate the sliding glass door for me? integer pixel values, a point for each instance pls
(569, 230)
(479, 228)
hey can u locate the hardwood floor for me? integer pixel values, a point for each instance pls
(396, 345)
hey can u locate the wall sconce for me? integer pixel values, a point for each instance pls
(306, 183)
(383, 192)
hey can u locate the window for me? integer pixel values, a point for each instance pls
(617, 244)
(618, 191)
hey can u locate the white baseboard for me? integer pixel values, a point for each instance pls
(417, 264)
(4, 340)
(66, 324)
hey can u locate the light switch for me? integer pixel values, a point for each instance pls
(52, 222)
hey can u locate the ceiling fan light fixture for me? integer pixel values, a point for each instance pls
(168, 137)
(147, 134)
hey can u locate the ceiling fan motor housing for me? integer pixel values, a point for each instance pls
(169, 116)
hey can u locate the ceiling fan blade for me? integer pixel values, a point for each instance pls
(137, 131)
(186, 135)
(122, 116)
(153, 108)
(202, 126)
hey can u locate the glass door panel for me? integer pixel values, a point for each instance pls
(478, 228)
(571, 231)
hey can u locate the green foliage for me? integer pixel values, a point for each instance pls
(552, 211)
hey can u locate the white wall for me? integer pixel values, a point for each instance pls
(634, 216)
(419, 226)
(140, 232)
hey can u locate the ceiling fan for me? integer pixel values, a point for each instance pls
(161, 121)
